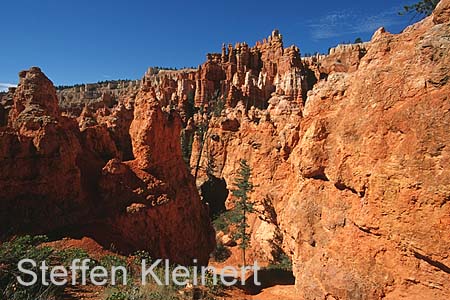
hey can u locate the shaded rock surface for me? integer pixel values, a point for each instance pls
(60, 180)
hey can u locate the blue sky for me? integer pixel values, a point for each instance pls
(89, 41)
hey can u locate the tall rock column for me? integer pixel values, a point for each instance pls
(166, 207)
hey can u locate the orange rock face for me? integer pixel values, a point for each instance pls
(348, 152)
(95, 95)
(374, 189)
(55, 176)
(358, 178)
(160, 188)
(240, 73)
(252, 74)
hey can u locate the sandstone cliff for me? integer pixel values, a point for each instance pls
(355, 184)
(95, 95)
(348, 151)
(59, 180)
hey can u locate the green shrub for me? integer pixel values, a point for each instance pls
(187, 140)
(110, 261)
(221, 253)
(283, 262)
(223, 221)
(221, 224)
(126, 293)
(141, 255)
(67, 256)
(147, 292)
(26, 247)
(214, 289)
(422, 8)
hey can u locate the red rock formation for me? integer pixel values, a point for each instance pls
(95, 95)
(442, 12)
(54, 176)
(109, 104)
(358, 180)
(352, 181)
(172, 88)
(40, 179)
(373, 180)
(251, 75)
(239, 73)
(160, 187)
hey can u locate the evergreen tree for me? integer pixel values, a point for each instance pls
(214, 108)
(187, 139)
(202, 132)
(211, 166)
(243, 207)
(422, 8)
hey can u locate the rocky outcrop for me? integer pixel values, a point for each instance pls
(342, 58)
(6, 103)
(372, 189)
(265, 138)
(153, 182)
(172, 87)
(442, 12)
(357, 178)
(252, 74)
(239, 74)
(56, 176)
(40, 179)
(73, 99)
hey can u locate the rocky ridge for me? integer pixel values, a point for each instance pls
(356, 178)
(348, 154)
(95, 95)
(60, 180)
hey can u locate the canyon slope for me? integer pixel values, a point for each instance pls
(348, 153)
(65, 177)
(353, 183)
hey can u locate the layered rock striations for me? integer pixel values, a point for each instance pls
(95, 95)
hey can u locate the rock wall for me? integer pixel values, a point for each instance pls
(252, 74)
(60, 180)
(95, 95)
(348, 153)
(172, 88)
(358, 177)
(373, 187)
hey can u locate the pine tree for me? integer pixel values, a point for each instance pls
(214, 108)
(421, 8)
(243, 207)
(186, 146)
